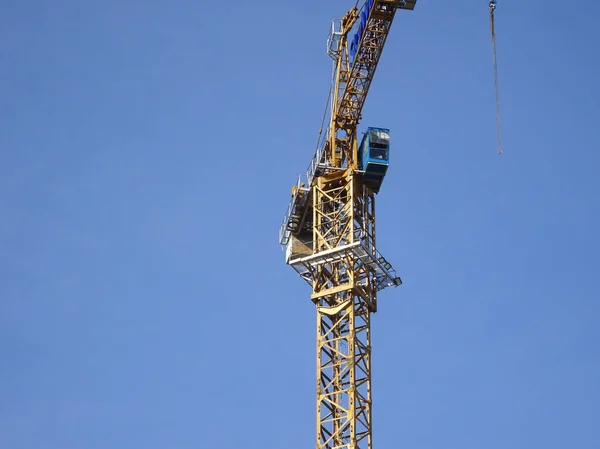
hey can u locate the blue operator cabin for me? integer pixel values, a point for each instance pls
(374, 156)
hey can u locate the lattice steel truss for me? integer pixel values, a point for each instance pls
(345, 294)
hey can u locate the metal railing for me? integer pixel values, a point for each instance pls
(298, 200)
(363, 249)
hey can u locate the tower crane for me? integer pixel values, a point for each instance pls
(328, 232)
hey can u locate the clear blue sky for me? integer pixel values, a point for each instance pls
(147, 150)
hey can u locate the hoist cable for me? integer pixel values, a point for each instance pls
(329, 95)
(492, 8)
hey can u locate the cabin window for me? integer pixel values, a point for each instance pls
(379, 137)
(379, 153)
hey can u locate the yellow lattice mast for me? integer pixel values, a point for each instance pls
(329, 231)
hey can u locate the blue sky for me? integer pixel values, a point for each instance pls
(147, 151)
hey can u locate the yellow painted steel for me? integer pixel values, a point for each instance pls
(343, 211)
(340, 212)
(345, 296)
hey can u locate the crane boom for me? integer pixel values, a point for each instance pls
(378, 18)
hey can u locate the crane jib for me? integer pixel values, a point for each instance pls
(366, 15)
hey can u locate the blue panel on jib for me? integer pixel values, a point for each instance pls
(364, 16)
